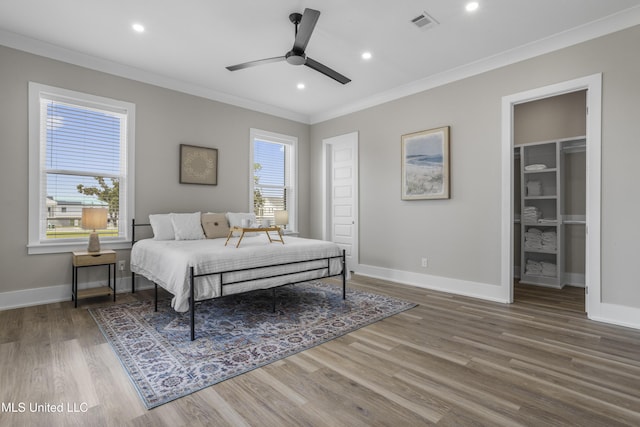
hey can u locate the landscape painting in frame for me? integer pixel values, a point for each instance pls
(425, 164)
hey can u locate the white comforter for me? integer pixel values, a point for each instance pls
(167, 262)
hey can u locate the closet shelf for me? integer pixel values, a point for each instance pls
(540, 251)
(575, 219)
(548, 170)
(550, 197)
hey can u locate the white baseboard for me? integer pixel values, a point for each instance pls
(575, 279)
(617, 315)
(61, 293)
(467, 288)
(607, 313)
(36, 296)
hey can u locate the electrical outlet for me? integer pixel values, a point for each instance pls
(425, 263)
(121, 265)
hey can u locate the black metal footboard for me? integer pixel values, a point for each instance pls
(193, 277)
(222, 274)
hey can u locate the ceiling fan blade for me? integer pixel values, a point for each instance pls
(327, 71)
(254, 63)
(307, 24)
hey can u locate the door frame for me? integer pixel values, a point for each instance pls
(593, 86)
(327, 145)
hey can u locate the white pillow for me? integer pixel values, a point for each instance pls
(187, 226)
(162, 227)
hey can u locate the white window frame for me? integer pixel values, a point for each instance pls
(291, 171)
(37, 153)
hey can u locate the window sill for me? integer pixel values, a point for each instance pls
(55, 248)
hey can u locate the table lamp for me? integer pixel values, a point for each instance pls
(94, 219)
(281, 218)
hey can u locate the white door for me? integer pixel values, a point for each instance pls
(341, 194)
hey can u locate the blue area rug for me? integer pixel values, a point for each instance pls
(234, 334)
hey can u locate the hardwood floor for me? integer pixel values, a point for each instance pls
(451, 361)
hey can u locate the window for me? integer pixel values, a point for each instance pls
(80, 155)
(273, 176)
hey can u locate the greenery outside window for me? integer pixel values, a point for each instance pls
(80, 155)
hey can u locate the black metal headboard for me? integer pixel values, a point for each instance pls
(133, 230)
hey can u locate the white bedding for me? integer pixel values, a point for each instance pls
(167, 262)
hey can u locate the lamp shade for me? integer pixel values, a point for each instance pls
(281, 217)
(94, 218)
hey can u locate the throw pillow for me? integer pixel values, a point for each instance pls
(215, 225)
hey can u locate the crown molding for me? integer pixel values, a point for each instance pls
(610, 24)
(592, 30)
(51, 51)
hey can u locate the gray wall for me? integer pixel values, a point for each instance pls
(164, 119)
(461, 236)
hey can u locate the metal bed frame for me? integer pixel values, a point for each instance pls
(193, 277)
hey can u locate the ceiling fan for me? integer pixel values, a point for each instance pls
(305, 23)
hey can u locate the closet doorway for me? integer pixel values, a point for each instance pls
(554, 133)
(549, 196)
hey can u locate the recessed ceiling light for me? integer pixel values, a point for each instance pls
(138, 28)
(472, 6)
(300, 86)
(366, 55)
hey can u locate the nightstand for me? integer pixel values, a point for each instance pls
(91, 259)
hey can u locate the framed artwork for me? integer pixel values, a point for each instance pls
(425, 164)
(198, 165)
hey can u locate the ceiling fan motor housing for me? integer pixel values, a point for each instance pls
(296, 58)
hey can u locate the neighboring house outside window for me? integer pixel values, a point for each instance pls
(80, 155)
(273, 183)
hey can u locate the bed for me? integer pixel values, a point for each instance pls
(198, 270)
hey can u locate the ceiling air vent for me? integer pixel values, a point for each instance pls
(424, 21)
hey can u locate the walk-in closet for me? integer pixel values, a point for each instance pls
(549, 189)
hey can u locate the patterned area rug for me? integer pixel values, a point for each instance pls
(234, 334)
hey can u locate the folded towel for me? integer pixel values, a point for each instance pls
(533, 267)
(549, 269)
(535, 167)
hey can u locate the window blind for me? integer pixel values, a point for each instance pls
(82, 166)
(270, 179)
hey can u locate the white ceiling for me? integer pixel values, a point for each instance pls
(187, 44)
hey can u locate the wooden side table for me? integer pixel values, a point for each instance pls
(243, 230)
(91, 259)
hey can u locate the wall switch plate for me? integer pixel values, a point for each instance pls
(121, 265)
(425, 263)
